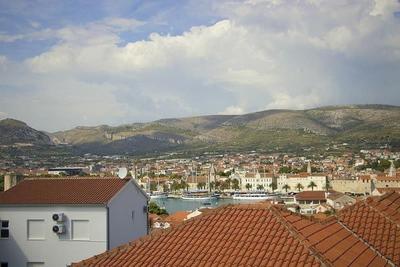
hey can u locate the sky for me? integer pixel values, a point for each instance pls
(70, 63)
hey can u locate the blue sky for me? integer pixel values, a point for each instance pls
(70, 63)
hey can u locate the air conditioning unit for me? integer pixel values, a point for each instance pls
(59, 228)
(58, 217)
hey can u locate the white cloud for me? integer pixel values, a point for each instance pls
(265, 54)
(232, 110)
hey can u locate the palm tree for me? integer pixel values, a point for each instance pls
(248, 187)
(299, 186)
(228, 183)
(212, 186)
(312, 185)
(286, 187)
(273, 186)
(260, 187)
(218, 185)
(327, 185)
(235, 185)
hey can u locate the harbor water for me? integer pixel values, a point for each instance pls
(176, 204)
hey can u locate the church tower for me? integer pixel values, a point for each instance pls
(309, 167)
(392, 169)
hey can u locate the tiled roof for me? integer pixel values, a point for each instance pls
(377, 222)
(247, 235)
(232, 236)
(337, 245)
(63, 191)
(311, 195)
(388, 178)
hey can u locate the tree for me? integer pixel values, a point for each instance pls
(327, 185)
(235, 184)
(260, 187)
(272, 186)
(201, 185)
(299, 187)
(312, 185)
(153, 186)
(155, 209)
(175, 186)
(248, 187)
(212, 186)
(218, 185)
(228, 183)
(286, 187)
(285, 169)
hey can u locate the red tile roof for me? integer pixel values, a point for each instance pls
(337, 245)
(63, 191)
(311, 195)
(247, 235)
(377, 222)
(233, 236)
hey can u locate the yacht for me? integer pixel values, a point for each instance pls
(198, 195)
(157, 194)
(253, 196)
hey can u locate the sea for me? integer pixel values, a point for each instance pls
(176, 204)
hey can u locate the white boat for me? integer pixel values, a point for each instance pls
(197, 195)
(157, 194)
(253, 196)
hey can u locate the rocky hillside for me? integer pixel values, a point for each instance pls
(14, 132)
(271, 128)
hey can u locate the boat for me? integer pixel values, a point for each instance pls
(254, 196)
(197, 195)
(157, 194)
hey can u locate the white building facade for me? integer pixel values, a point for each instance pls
(256, 181)
(293, 180)
(34, 236)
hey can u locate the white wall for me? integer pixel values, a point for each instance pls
(55, 250)
(122, 228)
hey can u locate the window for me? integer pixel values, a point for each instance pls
(80, 229)
(4, 231)
(36, 230)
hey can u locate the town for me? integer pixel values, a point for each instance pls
(314, 186)
(257, 133)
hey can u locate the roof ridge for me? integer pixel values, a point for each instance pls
(302, 240)
(153, 235)
(367, 203)
(365, 242)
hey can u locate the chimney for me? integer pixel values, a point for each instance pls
(309, 167)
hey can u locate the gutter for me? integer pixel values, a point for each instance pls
(108, 228)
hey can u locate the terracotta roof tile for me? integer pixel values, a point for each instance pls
(311, 195)
(376, 221)
(233, 236)
(63, 191)
(264, 235)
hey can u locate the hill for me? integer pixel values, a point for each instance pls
(14, 132)
(355, 124)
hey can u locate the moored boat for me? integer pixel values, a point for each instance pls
(253, 196)
(197, 195)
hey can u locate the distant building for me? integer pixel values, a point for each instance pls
(339, 201)
(257, 180)
(362, 185)
(308, 201)
(68, 171)
(301, 182)
(53, 222)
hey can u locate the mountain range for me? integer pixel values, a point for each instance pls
(279, 129)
